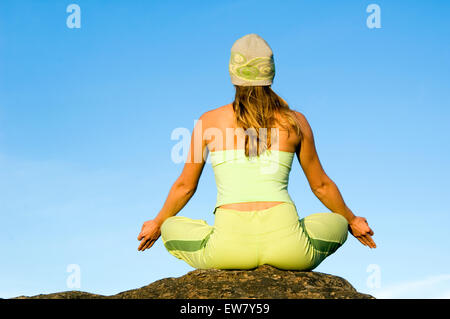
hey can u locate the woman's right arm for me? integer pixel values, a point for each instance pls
(324, 188)
(181, 191)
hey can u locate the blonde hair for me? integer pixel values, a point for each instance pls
(256, 108)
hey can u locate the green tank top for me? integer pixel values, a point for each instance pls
(251, 179)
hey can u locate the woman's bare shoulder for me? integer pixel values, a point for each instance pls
(304, 124)
(300, 116)
(220, 110)
(218, 114)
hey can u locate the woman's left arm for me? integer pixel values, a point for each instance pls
(181, 191)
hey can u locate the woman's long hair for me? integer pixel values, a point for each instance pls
(259, 107)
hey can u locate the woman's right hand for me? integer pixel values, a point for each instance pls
(359, 228)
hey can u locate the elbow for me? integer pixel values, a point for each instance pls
(187, 189)
(321, 189)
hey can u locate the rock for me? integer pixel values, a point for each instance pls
(74, 294)
(265, 282)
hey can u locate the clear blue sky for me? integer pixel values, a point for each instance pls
(86, 117)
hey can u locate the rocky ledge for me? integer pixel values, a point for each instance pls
(264, 282)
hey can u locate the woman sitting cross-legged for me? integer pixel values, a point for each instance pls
(252, 143)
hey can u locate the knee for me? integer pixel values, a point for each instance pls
(340, 225)
(169, 224)
(341, 222)
(327, 226)
(165, 224)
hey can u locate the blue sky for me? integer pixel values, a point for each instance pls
(86, 117)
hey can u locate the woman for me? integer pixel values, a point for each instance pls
(252, 143)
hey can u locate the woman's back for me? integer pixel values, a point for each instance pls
(248, 183)
(224, 118)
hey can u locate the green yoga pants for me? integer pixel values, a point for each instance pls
(248, 239)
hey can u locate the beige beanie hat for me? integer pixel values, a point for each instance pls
(251, 62)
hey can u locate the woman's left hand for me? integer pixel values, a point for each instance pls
(360, 229)
(150, 233)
